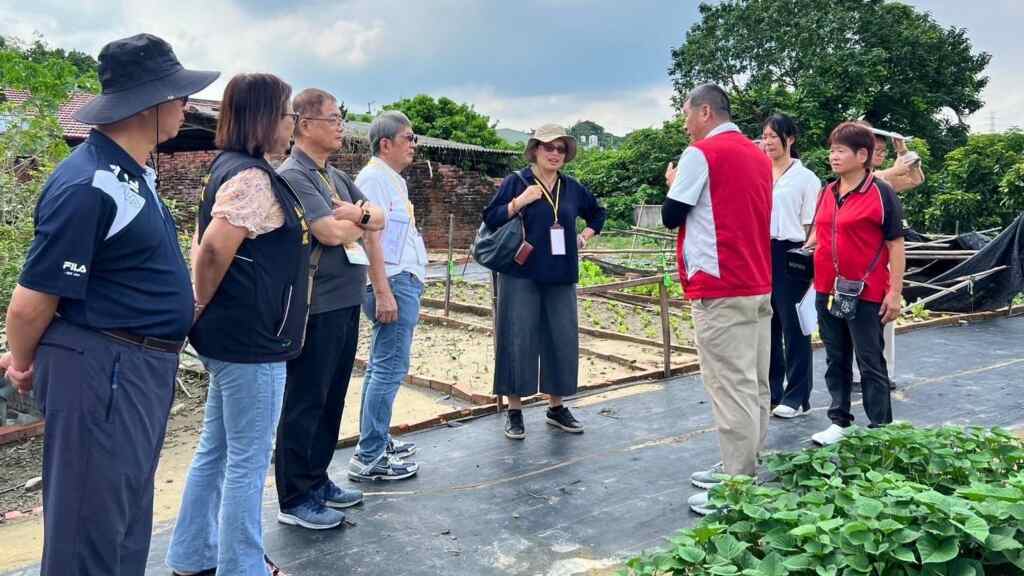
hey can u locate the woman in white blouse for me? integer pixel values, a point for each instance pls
(794, 199)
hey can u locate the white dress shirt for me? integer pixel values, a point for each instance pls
(794, 200)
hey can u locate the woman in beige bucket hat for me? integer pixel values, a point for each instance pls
(536, 321)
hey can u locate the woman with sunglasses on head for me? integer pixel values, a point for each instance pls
(250, 266)
(794, 197)
(536, 321)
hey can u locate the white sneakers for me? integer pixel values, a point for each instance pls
(783, 411)
(829, 436)
(699, 504)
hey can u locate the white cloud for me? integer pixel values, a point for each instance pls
(619, 113)
(208, 34)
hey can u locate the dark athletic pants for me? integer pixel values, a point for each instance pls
(842, 338)
(791, 350)
(106, 405)
(314, 398)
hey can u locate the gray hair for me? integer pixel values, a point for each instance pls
(387, 125)
(713, 96)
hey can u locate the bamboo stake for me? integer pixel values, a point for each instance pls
(448, 268)
(666, 328)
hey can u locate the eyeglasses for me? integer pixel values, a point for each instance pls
(293, 115)
(549, 147)
(410, 137)
(332, 120)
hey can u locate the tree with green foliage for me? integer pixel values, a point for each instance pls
(40, 52)
(826, 61)
(450, 120)
(633, 173)
(980, 186)
(31, 141)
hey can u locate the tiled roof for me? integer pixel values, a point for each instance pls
(73, 129)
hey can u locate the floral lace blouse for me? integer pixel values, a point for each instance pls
(247, 201)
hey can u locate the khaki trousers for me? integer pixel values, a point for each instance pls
(734, 346)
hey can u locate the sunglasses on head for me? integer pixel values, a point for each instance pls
(549, 147)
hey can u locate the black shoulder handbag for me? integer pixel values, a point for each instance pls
(799, 261)
(502, 249)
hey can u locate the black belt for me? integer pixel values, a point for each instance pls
(147, 342)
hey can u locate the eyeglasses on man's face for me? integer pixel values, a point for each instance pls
(293, 115)
(333, 119)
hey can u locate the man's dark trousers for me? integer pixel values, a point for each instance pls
(791, 350)
(106, 405)
(841, 337)
(314, 399)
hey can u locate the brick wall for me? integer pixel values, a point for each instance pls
(181, 181)
(436, 190)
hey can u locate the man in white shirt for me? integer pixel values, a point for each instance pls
(398, 260)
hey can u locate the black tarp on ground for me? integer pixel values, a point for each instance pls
(989, 293)
(560, 505)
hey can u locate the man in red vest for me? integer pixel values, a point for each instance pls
(721, 202)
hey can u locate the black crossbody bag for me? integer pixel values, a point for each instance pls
(842, 303)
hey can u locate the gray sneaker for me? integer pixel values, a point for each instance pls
(384, 468)
(399, 448)
(334, 496)
(311, 514)
(708, 479)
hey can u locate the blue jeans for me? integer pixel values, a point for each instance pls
(389, 363)
(228, 472)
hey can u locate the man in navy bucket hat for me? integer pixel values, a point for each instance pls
(101, 312)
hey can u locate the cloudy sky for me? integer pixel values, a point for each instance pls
(522, 63)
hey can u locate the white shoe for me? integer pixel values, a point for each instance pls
(699, 504)
(783, 411)
(829, 436)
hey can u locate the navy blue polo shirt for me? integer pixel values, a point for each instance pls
(107, 246)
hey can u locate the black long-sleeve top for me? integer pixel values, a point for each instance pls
(575, 202)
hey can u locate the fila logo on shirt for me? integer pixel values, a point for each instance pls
(73, 269)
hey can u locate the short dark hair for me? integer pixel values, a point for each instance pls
(310, 102)
(713, 96)
(785, 128)
(252, 107)
(854, 136)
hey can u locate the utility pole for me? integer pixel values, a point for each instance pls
(369, 106)
(992, 122)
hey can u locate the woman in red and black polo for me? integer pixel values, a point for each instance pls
(858, 236)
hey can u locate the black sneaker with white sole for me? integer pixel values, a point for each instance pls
(560, 417)
(385, 468)
(514, 427)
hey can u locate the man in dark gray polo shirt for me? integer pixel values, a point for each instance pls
(314, 395)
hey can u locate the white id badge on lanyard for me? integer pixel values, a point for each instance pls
(356, 255)
(557, 240)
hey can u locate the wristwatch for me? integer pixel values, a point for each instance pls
(366, 217)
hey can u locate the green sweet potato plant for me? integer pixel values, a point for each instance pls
(896, 501)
